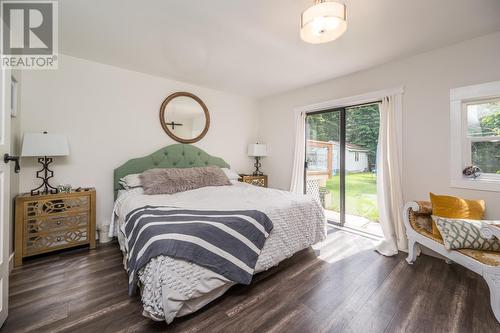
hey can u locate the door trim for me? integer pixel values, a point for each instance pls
(349, 101)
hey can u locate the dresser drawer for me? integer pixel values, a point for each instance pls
(257, 182)
(58, 222)
(56, 206)
(40, 243)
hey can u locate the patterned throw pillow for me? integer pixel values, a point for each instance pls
(465, 234)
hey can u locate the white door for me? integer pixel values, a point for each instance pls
(4, 192)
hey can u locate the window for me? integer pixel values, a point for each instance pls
(356, 157)
(475, 135)
(482, 135)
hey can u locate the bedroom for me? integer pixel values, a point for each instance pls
(105, 87)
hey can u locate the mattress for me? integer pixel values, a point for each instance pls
(173, 287)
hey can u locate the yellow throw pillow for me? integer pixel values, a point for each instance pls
(455, 208)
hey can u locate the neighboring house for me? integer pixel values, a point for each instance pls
(356, 158)
(324, 157)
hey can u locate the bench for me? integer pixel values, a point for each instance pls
(418, 222)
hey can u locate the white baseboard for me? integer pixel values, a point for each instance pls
(11, 262)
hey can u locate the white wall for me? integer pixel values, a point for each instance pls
(427, 79)
(111, 115)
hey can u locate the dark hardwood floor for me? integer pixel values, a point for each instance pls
(349, 288)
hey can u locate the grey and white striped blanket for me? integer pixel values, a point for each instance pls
(226, 242)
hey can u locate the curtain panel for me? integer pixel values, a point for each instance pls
(389, 180)
(299, 155)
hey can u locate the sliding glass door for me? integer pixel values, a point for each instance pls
(341, 147)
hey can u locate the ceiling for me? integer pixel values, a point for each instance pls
(253, 47)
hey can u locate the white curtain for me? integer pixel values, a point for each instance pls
(389, 185)
(299, 156)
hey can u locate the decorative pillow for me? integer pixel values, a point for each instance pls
(465, 234)
(130, 181)
(231, 175)
(169, 181)
(455, 208)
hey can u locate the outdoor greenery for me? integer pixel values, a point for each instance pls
(362, 125)
(361, 194)
(490, 124)
(486, 154)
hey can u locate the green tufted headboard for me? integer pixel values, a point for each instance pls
(173, 156)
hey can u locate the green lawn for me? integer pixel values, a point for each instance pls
(361, 194)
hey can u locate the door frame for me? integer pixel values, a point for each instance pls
(5, 205)
(341, 159)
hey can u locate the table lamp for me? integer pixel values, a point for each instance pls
(257, 150)
(44, 146)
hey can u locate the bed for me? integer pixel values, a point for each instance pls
(172, 287)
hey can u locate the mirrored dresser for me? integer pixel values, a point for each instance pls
(46, 223)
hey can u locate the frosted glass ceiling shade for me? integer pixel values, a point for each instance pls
(323, 22)
(42, 144)
(257, 150)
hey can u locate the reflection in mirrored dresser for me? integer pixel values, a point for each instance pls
(254, 180)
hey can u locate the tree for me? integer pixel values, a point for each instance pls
(490, 124)
(486, 155)
(362, 127)
(324, 126)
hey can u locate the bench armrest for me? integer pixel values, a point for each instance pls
(490, 230)
(414, 210)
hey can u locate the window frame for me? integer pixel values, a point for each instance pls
(460, 141)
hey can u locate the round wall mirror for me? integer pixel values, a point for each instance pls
(184, 117)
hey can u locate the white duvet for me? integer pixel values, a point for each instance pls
(172, 287)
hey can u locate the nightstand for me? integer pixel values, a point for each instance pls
(50, 222)
(254, 180)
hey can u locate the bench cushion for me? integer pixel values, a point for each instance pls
(485, 257)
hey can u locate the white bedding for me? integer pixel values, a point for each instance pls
(173, 287)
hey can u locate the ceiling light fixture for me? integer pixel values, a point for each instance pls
(323, 22)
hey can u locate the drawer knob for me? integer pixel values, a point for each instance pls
(58, 223)
(58, 239)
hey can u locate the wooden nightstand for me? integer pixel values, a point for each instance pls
(45, 223)
(254, 180)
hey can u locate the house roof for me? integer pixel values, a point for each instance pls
(350, 146)
(353, 147)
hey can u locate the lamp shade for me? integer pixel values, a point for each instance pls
(257, 150)
(43, 144)
(323, 22)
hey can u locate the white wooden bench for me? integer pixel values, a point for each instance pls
(417, 219)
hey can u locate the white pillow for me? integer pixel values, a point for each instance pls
(230, 174)
(130, 181)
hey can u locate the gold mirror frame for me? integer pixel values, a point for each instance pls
(167, 130)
